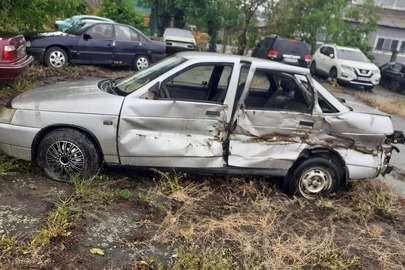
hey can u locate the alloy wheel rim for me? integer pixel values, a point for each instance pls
(65, 158)
(57, 59)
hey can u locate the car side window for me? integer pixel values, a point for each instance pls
(101, 31)
(199, 83)
(122, 33)
(273, 91)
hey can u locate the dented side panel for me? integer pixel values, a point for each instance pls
(167, 130)
(269, 139)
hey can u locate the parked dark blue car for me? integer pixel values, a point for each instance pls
(95, 42)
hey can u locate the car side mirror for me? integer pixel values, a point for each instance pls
(86, 36)
(331, 55)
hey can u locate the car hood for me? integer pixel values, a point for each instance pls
(360, 65)
(83, 96)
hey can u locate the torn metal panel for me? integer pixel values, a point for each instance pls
(171, 130)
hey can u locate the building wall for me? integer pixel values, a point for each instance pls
(394, 40)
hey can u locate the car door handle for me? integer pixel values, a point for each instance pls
(112, 44)
(212, 113)
(307, 123)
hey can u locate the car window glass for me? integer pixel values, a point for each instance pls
(101, 31)
(134, 35)
(207, 82)
(324, 50)
(135, 81)
(282, 93)
(353, 55)
(397, 67)
(122, 33)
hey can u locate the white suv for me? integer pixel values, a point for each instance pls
(346, 65)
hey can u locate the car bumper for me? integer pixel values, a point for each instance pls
(37, 53)
(12, 71)
(176, 49)
(16, 141)
(352, 78)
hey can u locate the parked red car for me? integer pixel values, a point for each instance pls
(14, 60)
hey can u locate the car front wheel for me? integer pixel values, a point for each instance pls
(64, 153)
(141, 62)
(55, 57)
(395, 86)
(315, 177)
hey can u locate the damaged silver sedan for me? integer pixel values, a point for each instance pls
(204, 112)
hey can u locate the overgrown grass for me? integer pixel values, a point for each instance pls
(89, 197)
(250, 225)
(9, 164)
(389, 106)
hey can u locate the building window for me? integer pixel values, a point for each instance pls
(387, 44)
(402, 48)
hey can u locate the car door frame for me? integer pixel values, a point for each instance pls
(271, 139)
(175, 133)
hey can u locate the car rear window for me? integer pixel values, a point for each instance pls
(293, 46)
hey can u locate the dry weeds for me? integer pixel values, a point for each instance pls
(261, 228)
(389, 106)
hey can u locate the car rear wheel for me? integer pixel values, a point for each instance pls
(395, 86)
(141, 62)
(312, 68)
(55, 57)
(64, 153)
(315, 177)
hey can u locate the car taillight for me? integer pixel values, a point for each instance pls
(9, 53)
(272, 54)
(308, 57)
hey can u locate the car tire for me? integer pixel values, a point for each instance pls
(55, 57)
(333, 73)
(312, 68)
(315, 177)
(395, 86)
(64, 153)
(141, 62)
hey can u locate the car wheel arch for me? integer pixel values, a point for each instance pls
(43, 132)
(321, 152)
(60, 46)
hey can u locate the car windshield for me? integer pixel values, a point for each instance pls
(178, 33)
(352, 55)
(138, 79)
(78, 27)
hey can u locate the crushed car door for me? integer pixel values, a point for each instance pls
(273, 122)
(183, 126)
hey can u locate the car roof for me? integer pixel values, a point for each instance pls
(260, 63)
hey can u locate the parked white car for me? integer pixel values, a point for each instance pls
(178, 40)
(204, 112)
(346, 65)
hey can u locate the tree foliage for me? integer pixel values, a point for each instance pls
(122, 11)
(336, 21)
(35, 15)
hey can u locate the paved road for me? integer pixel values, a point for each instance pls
(395, 180)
